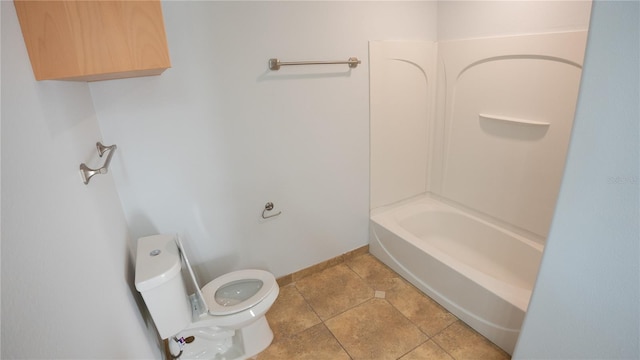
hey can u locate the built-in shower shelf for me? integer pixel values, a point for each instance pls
(513, 120)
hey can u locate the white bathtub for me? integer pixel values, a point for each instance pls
(481, 273)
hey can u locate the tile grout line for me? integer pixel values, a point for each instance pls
(289, 336)
(441, 331)
(338, 341)
(341, 312)
(410, 350)
(429, 337)
(395, 308)
(323, 322)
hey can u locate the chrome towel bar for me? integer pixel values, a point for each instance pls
(275, 64)
(87, 172)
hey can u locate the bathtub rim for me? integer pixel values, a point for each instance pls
(535, 240)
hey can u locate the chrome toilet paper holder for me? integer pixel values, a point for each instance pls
(268, 207)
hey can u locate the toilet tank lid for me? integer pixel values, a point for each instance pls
(157, 261)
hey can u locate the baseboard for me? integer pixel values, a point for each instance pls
(313, 269)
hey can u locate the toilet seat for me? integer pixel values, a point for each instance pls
(216, 309)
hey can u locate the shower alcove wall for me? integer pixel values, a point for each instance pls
(468, 144)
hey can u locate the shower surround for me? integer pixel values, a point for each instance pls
(468, 143)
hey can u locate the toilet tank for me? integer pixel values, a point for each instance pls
(159, 279)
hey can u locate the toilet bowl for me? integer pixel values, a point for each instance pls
(237, 298)
(225, 319)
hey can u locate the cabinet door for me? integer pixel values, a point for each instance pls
(93, 40)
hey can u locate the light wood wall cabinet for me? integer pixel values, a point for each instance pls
(94, 40)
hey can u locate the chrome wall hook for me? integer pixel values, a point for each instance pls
(268, 207)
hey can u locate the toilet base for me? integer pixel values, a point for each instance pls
(256, 337)
(216, 343)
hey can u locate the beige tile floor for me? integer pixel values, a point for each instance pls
(361, 309)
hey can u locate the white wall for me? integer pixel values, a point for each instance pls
(585, 303)
(471, 19)
(65, 270)
(205, 145)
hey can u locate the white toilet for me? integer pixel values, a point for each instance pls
(223, 320)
